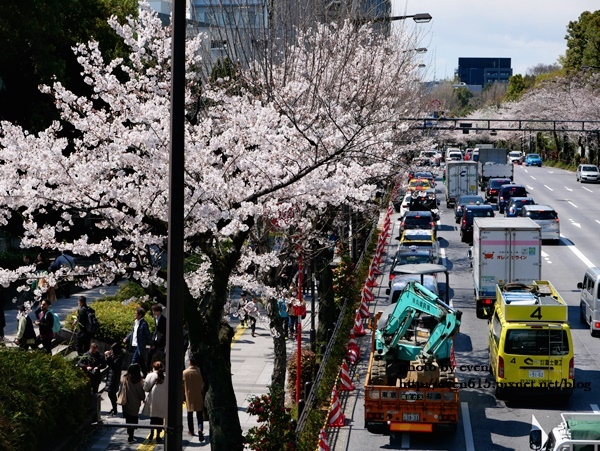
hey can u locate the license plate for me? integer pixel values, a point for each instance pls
(536, 373)
(410, 417)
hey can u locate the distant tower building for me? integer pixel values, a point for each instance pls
(484, 71)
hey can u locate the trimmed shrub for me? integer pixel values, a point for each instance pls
(42, 396)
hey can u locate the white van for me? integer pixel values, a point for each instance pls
(589, 300)
(546, 217)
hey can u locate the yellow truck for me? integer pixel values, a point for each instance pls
(530, 343)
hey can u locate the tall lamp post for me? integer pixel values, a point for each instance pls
(418, 18)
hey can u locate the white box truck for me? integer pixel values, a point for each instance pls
(505, 250)
(493, 163)
(460, 179)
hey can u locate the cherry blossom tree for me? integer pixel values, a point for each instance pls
(317, 134)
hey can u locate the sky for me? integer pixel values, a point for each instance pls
(529, 32)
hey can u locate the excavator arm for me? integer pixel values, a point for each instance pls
(391, 341)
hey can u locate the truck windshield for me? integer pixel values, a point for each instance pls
(536, 342)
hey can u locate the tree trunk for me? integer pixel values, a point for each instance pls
(210, 341)
(280, 351)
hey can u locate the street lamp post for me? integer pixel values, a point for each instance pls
(418, 18)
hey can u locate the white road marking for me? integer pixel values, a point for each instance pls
(576, 224)
(546, 258)
(466, 419)
(568, 189)
(532, 177)
(597, 221)
(578, 253)
(587, 189)
(572, 204)
(529, 188)
(547, 187)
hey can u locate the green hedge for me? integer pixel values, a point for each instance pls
(40, 396)
(116, 313)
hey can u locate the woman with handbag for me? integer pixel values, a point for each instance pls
(131, 396)
(156, 402)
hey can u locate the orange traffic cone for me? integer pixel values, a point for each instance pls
(359, 329)
(345, 381)
(336, 416)
(323, 444)
(364, 310)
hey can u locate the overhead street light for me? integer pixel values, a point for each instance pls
(418, 18)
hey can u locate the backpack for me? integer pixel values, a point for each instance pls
(55, 323)
(92, 326)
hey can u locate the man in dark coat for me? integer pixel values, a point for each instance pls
(138, 339)
(159, 338)
(45, 321)
(84, 337)
(93, 362)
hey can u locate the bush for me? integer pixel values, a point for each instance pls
(307, 362)
(42, 396)
(116, 313)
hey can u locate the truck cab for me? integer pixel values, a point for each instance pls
(576, 432)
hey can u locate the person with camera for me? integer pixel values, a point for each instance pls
(93, 362)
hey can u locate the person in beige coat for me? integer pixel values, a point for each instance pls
(193, 391)
(156, 402)
(131, 396)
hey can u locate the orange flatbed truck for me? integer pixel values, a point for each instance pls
(410, 384)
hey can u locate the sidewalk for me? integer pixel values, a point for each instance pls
(251, 367)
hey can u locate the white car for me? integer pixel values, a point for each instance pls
(515, 157)
(587, 173)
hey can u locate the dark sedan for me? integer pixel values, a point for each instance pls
(515, 205)
(465, 200)
(469, 213)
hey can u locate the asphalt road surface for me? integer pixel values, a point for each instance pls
(487, 423)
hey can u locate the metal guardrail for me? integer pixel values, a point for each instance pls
(311, 398)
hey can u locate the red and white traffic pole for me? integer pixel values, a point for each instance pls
(299, 328)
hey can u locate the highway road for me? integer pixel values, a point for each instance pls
(487, 423)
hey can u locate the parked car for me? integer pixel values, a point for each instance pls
(546, 217)
(515, 204)
(465, 200)
(470, 212)
(418, 220)
(493, 186)
(587, 173)
(508, 191)
(515, 157)
(533, 159)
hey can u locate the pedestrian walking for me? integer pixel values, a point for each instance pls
(193, 393)
(64, 260)
(114, 361)
(138, 339)
(2, 320)
(131, 396)
(241, 312)
(292, 318)
(81, 323)
(25, 333)
(156, 401)
(283, 314)
(251, 309)
(45, 321)
(159, 338)
(92, 362)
